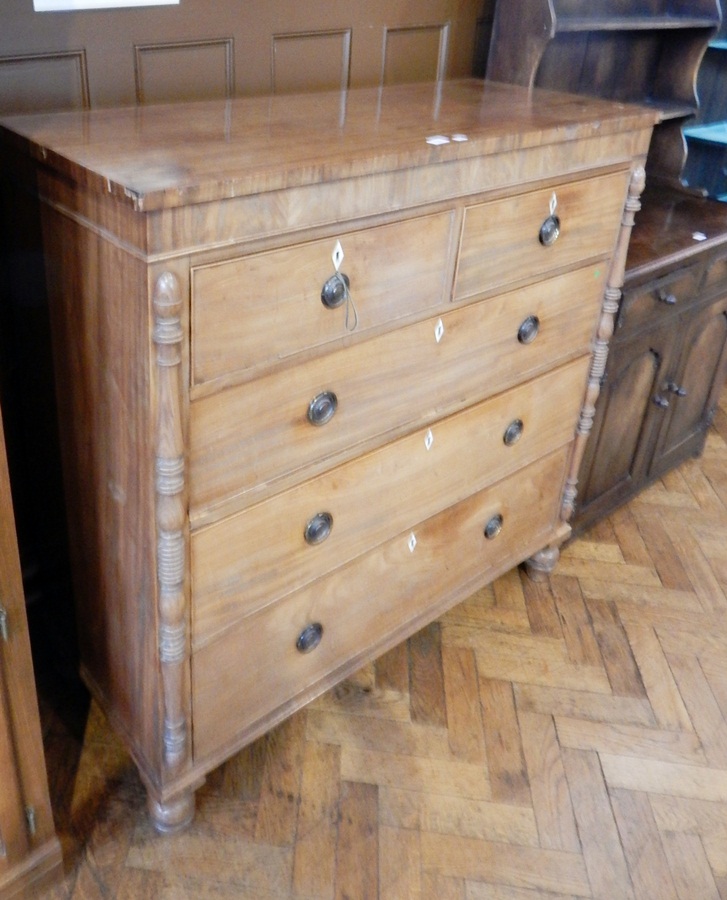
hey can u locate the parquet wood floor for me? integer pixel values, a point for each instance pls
(539, 742)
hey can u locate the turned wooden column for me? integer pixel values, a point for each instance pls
(541, 564)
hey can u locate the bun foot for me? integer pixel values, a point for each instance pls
(173, 815)
(542, 563)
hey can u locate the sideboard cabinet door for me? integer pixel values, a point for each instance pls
(693, 386)
(629, 416)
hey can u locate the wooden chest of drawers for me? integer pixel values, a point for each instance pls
(325, 365)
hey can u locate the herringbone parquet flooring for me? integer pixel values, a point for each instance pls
(539, 742)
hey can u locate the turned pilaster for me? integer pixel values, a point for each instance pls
(172, 540)
(611, 300)
(541, 564)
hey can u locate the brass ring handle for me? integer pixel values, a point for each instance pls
(322, 408)
(494, 527)
(549, 231)
(513, 432)
(309, 638)
(668, 299)
(528, 331)
(335, 290)
(318, 528)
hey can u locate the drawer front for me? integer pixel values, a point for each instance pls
(650, 304)
(254, 311)
(255, 667)
(716, 275)
(254, 557)
(501, 239)
(249, 435)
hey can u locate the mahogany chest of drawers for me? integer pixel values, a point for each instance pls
(325, 365)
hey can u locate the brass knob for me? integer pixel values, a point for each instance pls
(661, 402)
(493, 527)
(549, 231)
(335, 290)
(528, 331)
(322, 408)
(318, 528)
(309, 638)
(667, 298)
(676, 389)
(513, 432)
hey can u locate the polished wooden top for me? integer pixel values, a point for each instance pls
(171, 155)
(672, 228)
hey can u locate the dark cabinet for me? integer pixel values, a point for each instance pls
(668, 356)
(666, 360)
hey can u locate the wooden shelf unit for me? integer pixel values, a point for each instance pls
(641, 52)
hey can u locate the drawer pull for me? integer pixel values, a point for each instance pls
(665, 297)
(528, 331)
(676, 389)
(550, 229)
(318, 528)
(513, 432)
(322, 408)
(309, 638)
(661, 402)
(335, 291)
(493, 527)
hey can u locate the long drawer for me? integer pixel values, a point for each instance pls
(501, 239)
(251, 312)
(261, 664)
(244, 438)
(372, 498)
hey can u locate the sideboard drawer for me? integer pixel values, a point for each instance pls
(255, 667)
(374, 497)
(501, 239)
(649, 304)
(244, 438)
(251, 312)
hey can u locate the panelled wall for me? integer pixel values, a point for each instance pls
(223, 48)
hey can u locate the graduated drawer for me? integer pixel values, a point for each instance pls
(256, 669)
(501, 239)
(247, 560)
(251, 312)
(648, 304)
(245, 437)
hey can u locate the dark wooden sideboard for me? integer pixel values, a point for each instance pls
(326, 364)
(667, 364)
(668, 357)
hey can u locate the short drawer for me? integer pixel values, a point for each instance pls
(649, 304)
(244, 438)
(248, 560)
(251, 312)
(501, 240)
(255, 668)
